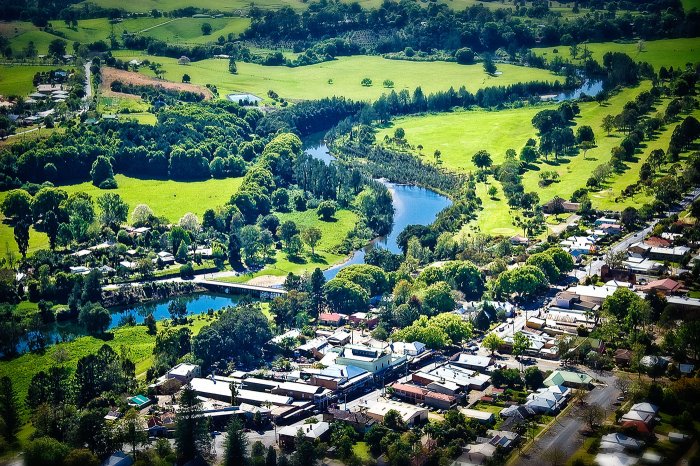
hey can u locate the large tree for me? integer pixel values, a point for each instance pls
(191, 427)
(236, 444)
(113, 210)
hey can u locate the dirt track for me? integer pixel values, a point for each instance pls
(129, 77)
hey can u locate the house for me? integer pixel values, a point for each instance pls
(605, 220)
(364, 318)
(639, 248)
(407, 349)
(549, 207)
(339, 338)
(476, 454)
(219, 388)
(291, 334)
(184, 372)
(465, 379)
(302, 391)
(568, 379)
(319, 430)
(521, 412)
(118, 458)
(370, 359)
(139, 401)
(619, 442)
(671, 254)
(483, 417)
(640, 413)
(519, 240)
(614, 459)
(643, 265)
(357, 420)
(501, 438)
(316, 347)
(535, 323)
(82, 253)
(473, 362)
(624, 275)
(417, 394)
(622, 357)
(79, 270)
(664, 286)
(165, 257)
(410, 414)
(332, 319)
(657, 242)
(610, 229)
(112, 415)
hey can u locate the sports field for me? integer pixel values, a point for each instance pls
(665, 52)
(341, 77)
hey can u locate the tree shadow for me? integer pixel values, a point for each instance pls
(296, 259)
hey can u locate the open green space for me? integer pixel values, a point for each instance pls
(459, 135)
(18, 79)
(189, 30)
(664, 52)
(145, 6)
(361, 450)
(690, 4)
(495, 217)
(332, 234)
(168, 198)
(341, 77)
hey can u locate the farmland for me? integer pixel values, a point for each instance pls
(342, 77)
(17, 79)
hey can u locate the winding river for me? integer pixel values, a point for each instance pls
(413, 205)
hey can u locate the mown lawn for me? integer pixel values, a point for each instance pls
(18, 79)
(189, 30)
(332, 234)
(495, 218)
(341, 77)
(361, 450)
(664, 52)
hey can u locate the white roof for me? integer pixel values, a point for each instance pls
(674, 251)
(313, 431)
(407, 411)
(221, 388)
(601, 292)
(401, 347)
(614, 459)
(476, 414)
(645, 408)
(474, 360)
(183, 369)
(82, 252)
(293, 333)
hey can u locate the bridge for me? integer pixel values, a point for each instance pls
(256, 290)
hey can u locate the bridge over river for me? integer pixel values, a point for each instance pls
(226, 287)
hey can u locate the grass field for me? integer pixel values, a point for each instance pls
(145, 6)
(332, 234)
(18, 80)
(665, 52)
(346, 73)
(495, 218)
(189, 30)
(460, 134)
(169, 198)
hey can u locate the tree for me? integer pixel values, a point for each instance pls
(520, 344)
(45, 451)
(57, 47)
(287, 231)
(394, 421)
(482, 159)
(524, 281)
(345, 296)
(9, 410)
(366, 82)
(236, 444)
(529, 154)
(232, 67)
(17, 205)
(130, 430)
(388, 83)
(101, 170)
(191, 427)
(142, 215)
(546, 264)
(492, 191)
(190, 222)
(620, 302)
(50, 225)
(311, 236)
(326, 210)
(533, 377)
(113, 210)
(629, 218)
(186, 78)
(586, 146)
(489, 66)
(593, 414)
(464, 56)
(492, 342)
(81, 457)
(608, 123)
(438, 299)
(21, 234)
(584, 133)
(206, 29)
(94, 318)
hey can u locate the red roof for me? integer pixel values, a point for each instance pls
(656, 242)
(641, 427)
(488, 399)
(412, 389)
(666, 284)
(331, 317)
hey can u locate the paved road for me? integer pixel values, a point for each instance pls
(565, 433)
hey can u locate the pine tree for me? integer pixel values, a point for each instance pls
(191, 428)
(236, 444)
(9, 409)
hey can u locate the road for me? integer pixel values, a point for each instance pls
(564, 434)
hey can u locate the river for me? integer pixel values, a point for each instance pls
(198, 303)
(413, 205)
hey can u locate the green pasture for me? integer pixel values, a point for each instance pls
(146, 6)
(332, 234)
(664, 52)
(342, 77)
(459, 135)
(18, 79)
(91, 30)
(189, 30)
(168, 198)
(495, 217)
